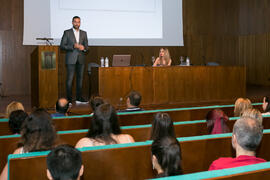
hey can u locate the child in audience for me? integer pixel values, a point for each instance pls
(253, 113)
(166, 157)
(64, 162)
(16, 120)
(13, 106)
(37, 134)
(162, 126)
(241, 104)
(246, 137)
(104, 129)
(266, 106)
(216, 122)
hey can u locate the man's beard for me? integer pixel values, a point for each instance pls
(76, 27)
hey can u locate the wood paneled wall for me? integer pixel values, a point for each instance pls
(14, 57)
(231, 32)
(254, 40)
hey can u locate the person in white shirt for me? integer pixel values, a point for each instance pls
(75, 43)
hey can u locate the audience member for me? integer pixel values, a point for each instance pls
(61, 108)
(64, 163)
(13, 106)
(95, 101)
(164, 58)
(37, 134)
(246, 137)
(162, 126)
(16, 120)
(266, 106)
(241, 104)
(166, 157)
(104, 129)
(253, 113)
(216, 122)
(133, 102)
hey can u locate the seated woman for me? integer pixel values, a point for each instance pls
(95, 101)
(253, 113)
(216, 122)
(164, 58)
(162, 126)
(266, 106)
(13, 106)
(16, 120)
(37, 134)
(241, 104)
(166, 157)
(104, 129)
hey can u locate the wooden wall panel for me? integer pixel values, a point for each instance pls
(15, 58)
(255, 54)
(254, 39)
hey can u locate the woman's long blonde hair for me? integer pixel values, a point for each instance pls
(166, 56)
(13, 106)
(241, 104)
(253, 113)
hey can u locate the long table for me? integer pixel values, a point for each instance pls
(168, 85)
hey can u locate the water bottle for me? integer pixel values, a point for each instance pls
(153, 59)
(102, 62)
(181, 60)
(106, 62)
(188, 61)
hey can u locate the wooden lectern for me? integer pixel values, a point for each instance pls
(44, 76)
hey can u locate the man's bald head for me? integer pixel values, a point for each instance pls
(62, 105)
(248, 133)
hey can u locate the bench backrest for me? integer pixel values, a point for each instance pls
(132, 118)
(140, 133)
(133, 161)
(256, 171)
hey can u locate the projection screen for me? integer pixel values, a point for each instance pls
(107, 22)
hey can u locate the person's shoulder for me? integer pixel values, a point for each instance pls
(260, 159)
(68, 31)
(84, 142)
(220, 163)
(18, 150)
(125, 138)
(82, 31)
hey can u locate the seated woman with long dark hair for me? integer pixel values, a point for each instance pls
(37, 134)
(166, 157)
(216, 122)
(162, 126)
(104, 129)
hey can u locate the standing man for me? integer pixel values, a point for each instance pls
(75, 43)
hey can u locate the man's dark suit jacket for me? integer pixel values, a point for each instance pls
(67, 44)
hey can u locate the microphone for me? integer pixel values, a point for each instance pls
(46, 39)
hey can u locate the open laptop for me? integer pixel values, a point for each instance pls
(121, 60)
